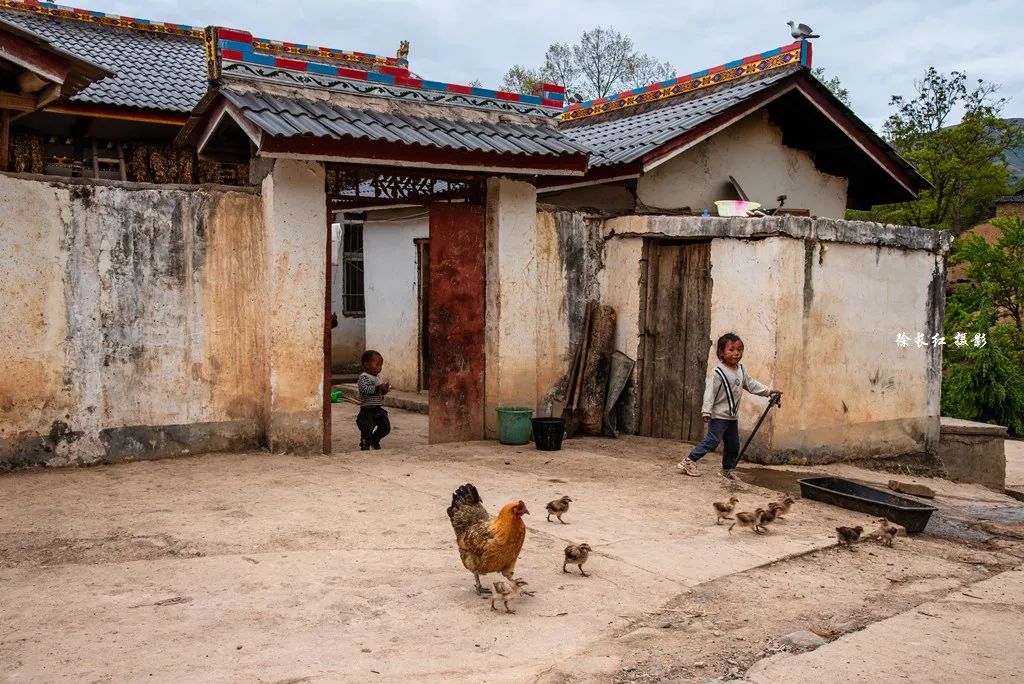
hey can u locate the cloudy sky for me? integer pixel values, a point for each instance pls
(876, 47)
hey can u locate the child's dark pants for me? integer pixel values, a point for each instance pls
(720, 430)
(373, 424)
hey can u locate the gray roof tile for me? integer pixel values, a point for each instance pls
(152, 70)
(294, 116)
(620, 138)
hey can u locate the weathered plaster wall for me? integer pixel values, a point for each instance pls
(134, 319)
(751, 151)
(818, 303)
(510, 375)
(348, 340)
(856, 392)
(570, 255)
(295, 216)
(390, 264)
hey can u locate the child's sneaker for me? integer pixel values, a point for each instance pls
(688, 467)
(375, 445)
(731, 475)
(364, 445)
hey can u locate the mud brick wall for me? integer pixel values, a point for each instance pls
(132, 318)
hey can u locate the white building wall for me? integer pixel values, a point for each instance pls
(391, 285)
(752, 152)
(349, 339)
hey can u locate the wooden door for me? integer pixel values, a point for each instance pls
(423, 265)
(455, 322)
(677, 340)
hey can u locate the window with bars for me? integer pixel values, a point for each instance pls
(353, 298)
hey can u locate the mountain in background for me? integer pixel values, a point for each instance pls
(1015, 158)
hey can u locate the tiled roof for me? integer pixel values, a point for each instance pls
(152, 70)
(292, 116)
(620, 138)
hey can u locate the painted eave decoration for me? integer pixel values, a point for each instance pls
(236, 54)
(788, 55)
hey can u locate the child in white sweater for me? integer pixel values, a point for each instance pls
(721, 407)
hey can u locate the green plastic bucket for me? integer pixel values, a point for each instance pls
(514, 425)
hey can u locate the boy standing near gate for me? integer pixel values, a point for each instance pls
(372, 419)
(721, 407)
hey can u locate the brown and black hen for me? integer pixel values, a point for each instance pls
(487, 544)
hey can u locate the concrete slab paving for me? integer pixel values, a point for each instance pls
(1014, 468)
(344, 567)
(971, 635)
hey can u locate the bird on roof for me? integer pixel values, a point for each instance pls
(801, 31)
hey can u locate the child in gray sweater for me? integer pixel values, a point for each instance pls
(721, 407)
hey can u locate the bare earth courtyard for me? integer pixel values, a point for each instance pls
(274, 568)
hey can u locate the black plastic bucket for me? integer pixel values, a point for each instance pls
(548, 433)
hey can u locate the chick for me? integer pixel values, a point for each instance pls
(507, 592)
(748, 519)
(848, 535)
(885, 532)
(781, 507)
(724, 508)
(559, 507)
(577, 554)
(767, 518)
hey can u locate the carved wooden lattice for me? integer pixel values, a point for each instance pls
(365, 187)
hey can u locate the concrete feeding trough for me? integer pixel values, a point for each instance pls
(857, 497)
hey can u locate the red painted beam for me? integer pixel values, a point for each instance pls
(33, 58)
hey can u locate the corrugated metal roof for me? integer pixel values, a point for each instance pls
(291, 116)
(151, 70)
(622, 138)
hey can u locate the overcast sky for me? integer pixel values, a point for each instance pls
(876, 47)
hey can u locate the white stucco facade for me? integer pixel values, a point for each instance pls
(511, 371)
(391, 285)
(349, 339)
(295, 216)
(752, 152)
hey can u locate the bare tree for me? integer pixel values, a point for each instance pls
(602, 62)
(644, 70)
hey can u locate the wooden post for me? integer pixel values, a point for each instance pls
(327, 334)
(5, 140)
(95, 160)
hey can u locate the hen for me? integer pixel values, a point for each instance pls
(487, 544)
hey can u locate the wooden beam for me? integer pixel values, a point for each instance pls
(19, 103)
(33, 58)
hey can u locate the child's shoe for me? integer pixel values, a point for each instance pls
(688, 467)
(731, 475)
(364, 445)
(375, 446)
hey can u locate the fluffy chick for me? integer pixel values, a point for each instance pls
(577, 554)
(724, 508)
(767, 518)
(781, 507)
(848, 535)
(885, 532)
(507, 592)
(558, 507)
(748, 519)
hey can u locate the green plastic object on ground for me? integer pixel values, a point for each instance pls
(335, 396)
(514, 425)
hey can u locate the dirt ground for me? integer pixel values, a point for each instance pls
(275, 568)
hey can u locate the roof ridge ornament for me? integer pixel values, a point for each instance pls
(798, 52)
(237, 54)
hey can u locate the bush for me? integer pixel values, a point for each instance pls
(987, 383)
